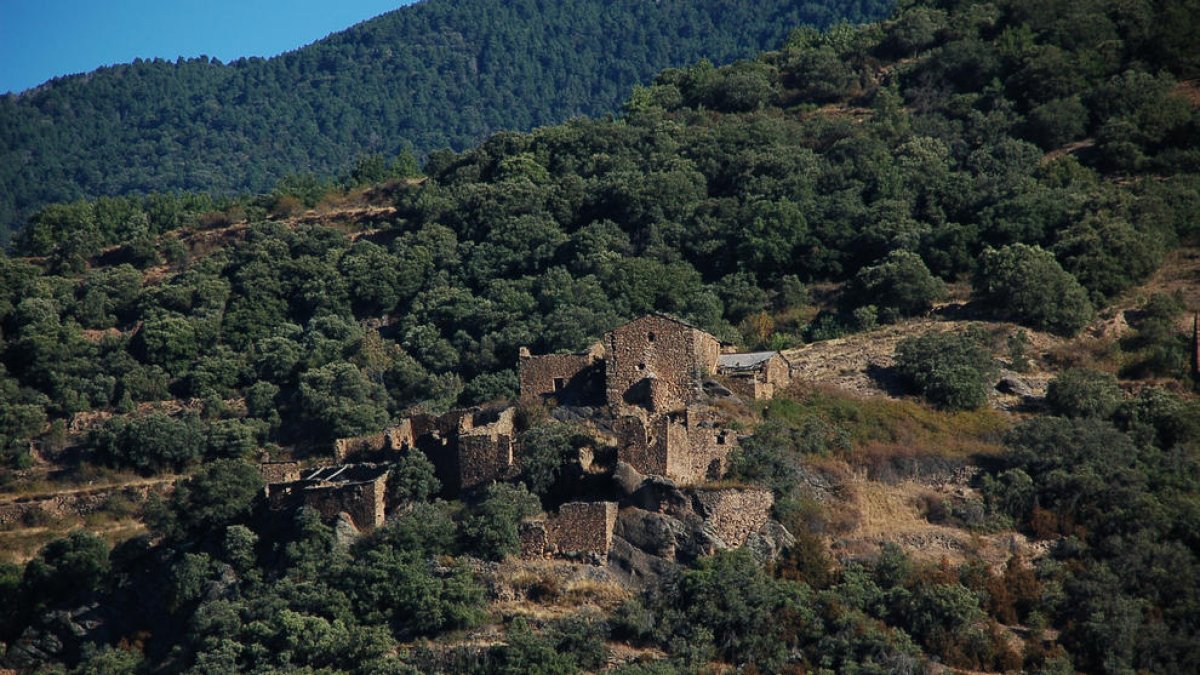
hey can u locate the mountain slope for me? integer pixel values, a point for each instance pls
(436, 74)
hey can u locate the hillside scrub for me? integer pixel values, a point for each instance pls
(192, 333)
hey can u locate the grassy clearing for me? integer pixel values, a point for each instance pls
(876, 424)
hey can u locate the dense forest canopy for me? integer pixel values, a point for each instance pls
(433, 75)
(1045, 154)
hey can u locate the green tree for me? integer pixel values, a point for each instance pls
(220, 494)
(342, 401)
(899, 286)
(492, 529)
(1027, 285)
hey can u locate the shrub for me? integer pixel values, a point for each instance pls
(1082, 392)
(952, 371)
(899, 286)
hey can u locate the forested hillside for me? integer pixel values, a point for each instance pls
(1013, 172)
(434, 75)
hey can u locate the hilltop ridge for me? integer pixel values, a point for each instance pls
(437, 74)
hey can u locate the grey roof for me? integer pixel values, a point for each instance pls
(744, 361)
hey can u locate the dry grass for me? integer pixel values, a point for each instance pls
(19, 546)
(552, 588)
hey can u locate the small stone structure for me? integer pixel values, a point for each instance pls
(275, 473)
(757, 375)
(358, 490)
(468, 448)
(565, 379)
(735, 513)
(580, 529)
(688, 447)
(657, 362)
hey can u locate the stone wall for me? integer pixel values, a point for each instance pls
(583, 528)
(359, 448)
(703, 457)
(364, 502)
(358, 490)
(36, 508)
(485, 450)
(574, 379)
(734, 514)
(657, 363)
(468, 448)
(274, 473)
(686, 448)
(580, 529)
(763, 381)
(639, 447)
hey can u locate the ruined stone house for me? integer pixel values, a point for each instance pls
(756, 375)
(358, 490)
(658, 363)
(562, 379)
(579, 529)
(688, 447)
(275, 473)
(468, 448)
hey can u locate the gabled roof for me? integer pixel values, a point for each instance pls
(673, 319)
(749, 361)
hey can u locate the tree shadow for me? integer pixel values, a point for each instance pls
(888, 378)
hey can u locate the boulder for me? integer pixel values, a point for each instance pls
(635, 567)
(1011, 384)
(344, 531)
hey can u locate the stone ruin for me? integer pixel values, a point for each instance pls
(579, 530)
(755, 376)
(650, 372)
(276, 473)
(358, 490)
(735, 513)
(562, 379)
(690, 447)
(468, 448)
(657, 363)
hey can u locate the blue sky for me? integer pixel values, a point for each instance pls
(41, 39)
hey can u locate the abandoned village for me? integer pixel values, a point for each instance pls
(645, 393)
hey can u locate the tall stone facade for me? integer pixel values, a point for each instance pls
(565, 379)
(688, 448)
(657, 363)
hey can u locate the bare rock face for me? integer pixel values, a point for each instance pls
(56, 636)
(769, 542)
(344, 531)
(635, 567)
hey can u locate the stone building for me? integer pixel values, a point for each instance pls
(274, 473)
(565, 379)
(688, 447)
(658, 363)
(468, 448)
(358, 490)
(580, 529)
(734, 514)
(757, 375)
